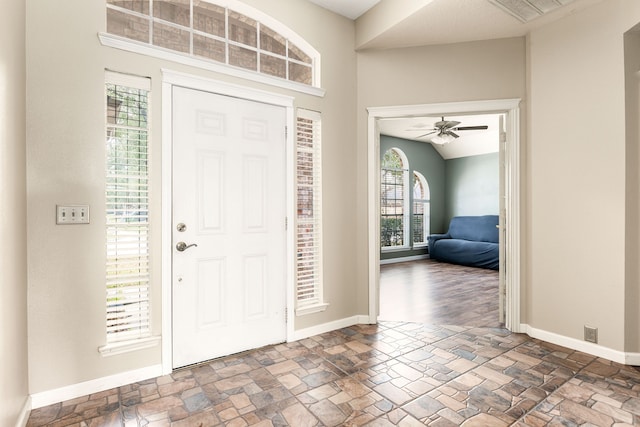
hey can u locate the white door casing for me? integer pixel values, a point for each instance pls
(229, 192)
(511, 177)
(502, 291)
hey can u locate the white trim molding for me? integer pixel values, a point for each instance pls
(38, 400)
(301, 334)
(625, 358)
(316, 308)
(404, 259)
(112, 349)
(23, 416)
(509, 107)
(128, 45)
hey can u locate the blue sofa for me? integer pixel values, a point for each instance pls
(471, 240)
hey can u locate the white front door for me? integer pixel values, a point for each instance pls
(229, 196)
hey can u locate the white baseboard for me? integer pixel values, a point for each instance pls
(625, 358)
(632, 359)
(330, 326)
(404, 259)
(38, 400)
(23, 417)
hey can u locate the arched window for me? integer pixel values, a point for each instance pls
(204, 32)
(421, 212)
(394, 200)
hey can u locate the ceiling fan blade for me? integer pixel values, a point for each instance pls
(422, 136)
(453, 134)
(470, 128)
(446, 124)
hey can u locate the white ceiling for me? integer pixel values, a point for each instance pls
(352, 9)
(429, 22)
(470, 143)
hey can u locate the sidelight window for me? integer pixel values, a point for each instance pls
(127, 208)
(309, 298)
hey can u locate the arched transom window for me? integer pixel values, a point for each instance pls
(232, 34)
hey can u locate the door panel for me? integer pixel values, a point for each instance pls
(229, 191)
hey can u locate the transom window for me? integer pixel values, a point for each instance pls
(215, 32)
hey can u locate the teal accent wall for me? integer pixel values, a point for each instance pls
(472, 186)
(463, 186)
(426, 160)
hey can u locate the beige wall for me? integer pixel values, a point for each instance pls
(576, 159)
(575, 201)
(13, 253)
(632, 224)
(580, 195)
(65, 123)
(474, 71)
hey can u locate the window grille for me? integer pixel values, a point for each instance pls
(213, 32)
(127, 208)
(393, 198)
(421, 212)
(309, 211)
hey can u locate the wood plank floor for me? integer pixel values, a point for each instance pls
(439, 293)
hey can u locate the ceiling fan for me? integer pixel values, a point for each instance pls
(444, 131)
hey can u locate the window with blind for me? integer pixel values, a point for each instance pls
(309, 298)
(421, 212)
(127, 209)
(394, 200)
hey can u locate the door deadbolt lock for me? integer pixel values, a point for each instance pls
(181, 227)
(182, 246)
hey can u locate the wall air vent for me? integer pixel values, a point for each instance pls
(528, 10)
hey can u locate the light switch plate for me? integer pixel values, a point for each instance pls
(72, 214)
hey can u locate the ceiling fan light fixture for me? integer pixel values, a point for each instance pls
(442, 138)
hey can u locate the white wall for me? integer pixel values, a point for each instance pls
(13, 252)
(576, 163)
(65, 64)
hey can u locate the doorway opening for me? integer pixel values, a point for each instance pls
(425, 183)
(509, 217)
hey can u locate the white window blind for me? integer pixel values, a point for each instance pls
(309, 213)
(127, 208)
(421, 211)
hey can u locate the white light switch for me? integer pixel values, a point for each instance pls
(72, 214)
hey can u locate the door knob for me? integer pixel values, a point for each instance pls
(182, 246)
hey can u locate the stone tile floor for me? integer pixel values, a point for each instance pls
(390, 374)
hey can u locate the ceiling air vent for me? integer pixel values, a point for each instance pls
(528, 10)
